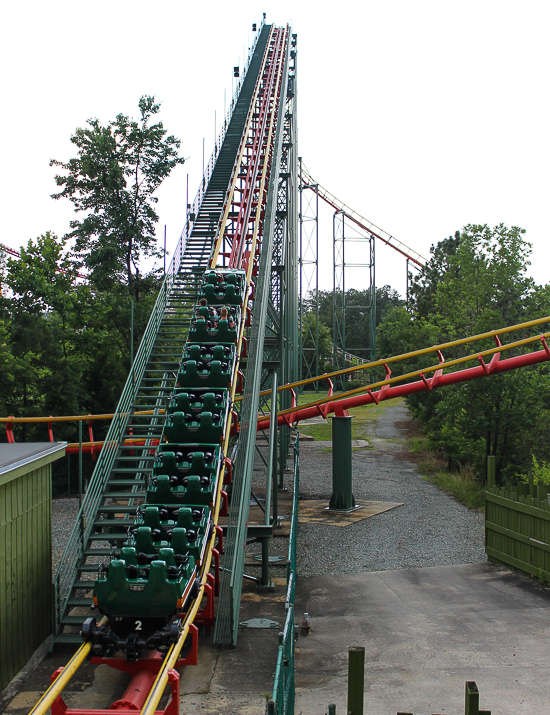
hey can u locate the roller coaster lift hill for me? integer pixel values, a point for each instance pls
(147, 541)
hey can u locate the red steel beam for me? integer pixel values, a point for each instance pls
(331, 200)
(257, 151)
(339, 407)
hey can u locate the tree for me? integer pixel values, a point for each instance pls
(113, 180)
(477, 282)
(43, 279)
(323, 348)
(358, 313)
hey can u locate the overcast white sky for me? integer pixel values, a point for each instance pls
(423, 116)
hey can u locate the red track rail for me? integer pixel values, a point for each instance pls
(244, 236)
(340, 407)
(363, 223)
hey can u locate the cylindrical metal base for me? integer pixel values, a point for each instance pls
(342, 497)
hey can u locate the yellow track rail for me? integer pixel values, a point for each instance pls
(418, 353)
(56, 688)
(418, 373)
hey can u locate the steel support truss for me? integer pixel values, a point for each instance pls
(309, 280)
(257, 232)
(354, 321)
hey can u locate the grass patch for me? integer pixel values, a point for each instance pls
(364, 417)
(417, 445)
(462, 485)
(320, 433)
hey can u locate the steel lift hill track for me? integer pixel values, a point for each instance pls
(243, 218)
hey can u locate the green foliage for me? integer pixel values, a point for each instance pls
(540, 472)
(315, 333)
(112, 180)
(65, 343)
(358, 320)
(476, 281)
(463, 486)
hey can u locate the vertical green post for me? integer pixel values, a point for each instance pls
(79, 463)
(131, 334)
(356, 680)
(331, 709)
(491, 470)
(264, 580)
(342, 498)
(271, 483)
(68, 476)
(471, 706)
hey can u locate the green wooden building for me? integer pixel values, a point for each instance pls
(25, 551)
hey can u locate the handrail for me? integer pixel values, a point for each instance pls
(350, 357)
(78, 538)
(194, 210)
(282, 699)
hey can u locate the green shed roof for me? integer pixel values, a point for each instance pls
(23, 457)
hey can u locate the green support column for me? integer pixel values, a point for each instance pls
(79, 463)
(342, 498)
(356, 680)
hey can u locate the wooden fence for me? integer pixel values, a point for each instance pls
(517, 527)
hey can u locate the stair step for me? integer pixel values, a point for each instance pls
(80, 602)
(73, 621)
(84, 584)
(144, 407)
(156, 389)
(114, 522)
(116, 509)
(69, 638)
(127, 470)
(149, 435)
(125, 495)
(125, 482)
(115, 536)
(148, 458)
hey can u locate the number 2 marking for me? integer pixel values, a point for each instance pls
(138, 625)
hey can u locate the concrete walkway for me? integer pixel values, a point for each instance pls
(426, 632)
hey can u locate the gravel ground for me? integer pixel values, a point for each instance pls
(64, 513)
(430, 529)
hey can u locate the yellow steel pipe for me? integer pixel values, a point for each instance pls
(74, 418)
(56, 688)
(161, 681)
(407, 356)
(416, 373)
(309, 380)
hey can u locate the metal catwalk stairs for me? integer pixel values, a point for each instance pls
(124, 489)
(119, 481)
